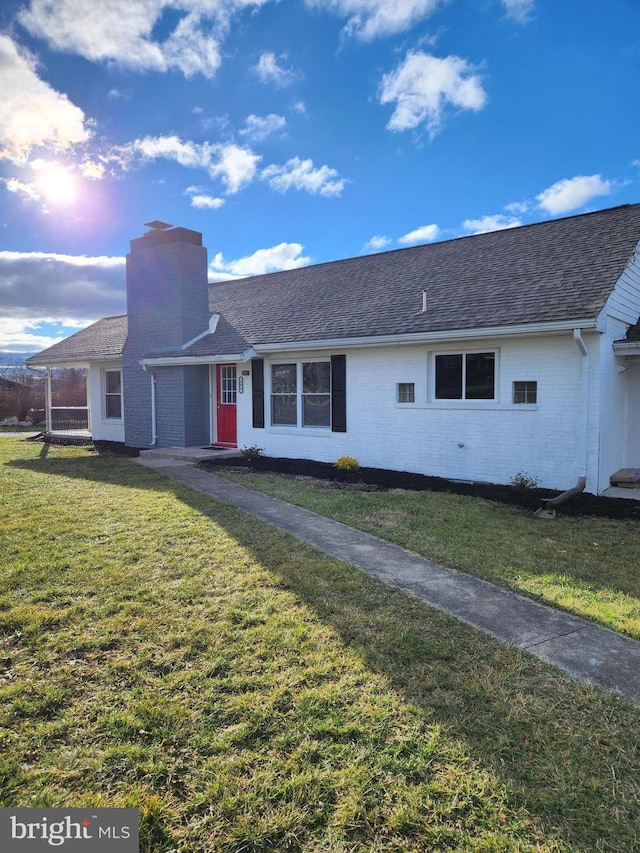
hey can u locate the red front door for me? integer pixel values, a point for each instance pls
(226, 385)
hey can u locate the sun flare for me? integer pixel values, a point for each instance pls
(58, 185)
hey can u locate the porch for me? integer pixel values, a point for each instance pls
(192, 455)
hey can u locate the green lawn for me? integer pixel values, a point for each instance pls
(163, 650)
(589, 566)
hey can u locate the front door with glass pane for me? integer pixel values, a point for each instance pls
(226, 389)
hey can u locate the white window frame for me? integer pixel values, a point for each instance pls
(107, 394)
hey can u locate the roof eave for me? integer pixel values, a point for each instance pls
(72, 361)
(189, 360)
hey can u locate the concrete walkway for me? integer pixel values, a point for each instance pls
(580, 648)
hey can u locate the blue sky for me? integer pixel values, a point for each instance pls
(294, 132)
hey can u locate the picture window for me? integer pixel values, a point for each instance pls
(465, 376)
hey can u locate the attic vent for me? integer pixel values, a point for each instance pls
(424, 301)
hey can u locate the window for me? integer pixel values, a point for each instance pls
(406, 392)
(228, 383)
(465, 376)
(113, 394)
(284, 395)
(525, 392)
(301, 394)
(316, 396)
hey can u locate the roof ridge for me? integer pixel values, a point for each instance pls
(484, 234)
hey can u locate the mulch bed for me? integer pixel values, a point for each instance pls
(383, 479)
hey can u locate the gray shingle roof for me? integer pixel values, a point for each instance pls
(102, 340)
(561, 270)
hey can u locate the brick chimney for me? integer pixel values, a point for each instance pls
(167, 306)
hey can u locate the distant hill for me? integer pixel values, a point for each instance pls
(13, 360)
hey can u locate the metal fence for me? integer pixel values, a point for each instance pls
(72, 420)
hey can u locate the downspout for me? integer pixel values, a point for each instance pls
(547, 510)
(586, 376)
(154, 432)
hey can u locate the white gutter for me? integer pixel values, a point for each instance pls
(621, 348)
(154, 430)
(583, 447)
(448, 336)
(555, 327)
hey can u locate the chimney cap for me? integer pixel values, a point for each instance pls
(158, 225)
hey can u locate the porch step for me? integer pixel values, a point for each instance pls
(188, 454)
(626, 478)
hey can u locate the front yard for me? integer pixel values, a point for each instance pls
(163, 650)
(587, 565)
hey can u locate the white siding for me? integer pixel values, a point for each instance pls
(619, 388)
(476, 440)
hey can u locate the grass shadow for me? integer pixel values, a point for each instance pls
(569, 752)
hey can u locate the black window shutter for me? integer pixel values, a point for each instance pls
(338, 393)
(257, 392)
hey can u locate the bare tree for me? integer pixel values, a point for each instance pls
(21, 393)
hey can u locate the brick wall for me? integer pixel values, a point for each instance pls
(487, 441)
(167, 306)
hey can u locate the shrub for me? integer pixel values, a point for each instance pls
(347, 463)
(522, 482)
(251, 452)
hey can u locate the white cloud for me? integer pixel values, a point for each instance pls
(572, 193)
(518, 207)
(122, 31)
(260, 127)
(235, 166)
(424, 234)
(369, 19)
(423, 86)
(302, 175)
(27, 191)
(519, 10)
(190, 50)
(40, 286)
(376, 243)
(268, 71)
(28, 336)
(496, 222)
(207, 202)
(32, 113)
(284, 256)
(188, 154)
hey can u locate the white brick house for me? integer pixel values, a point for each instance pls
(475, 358)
